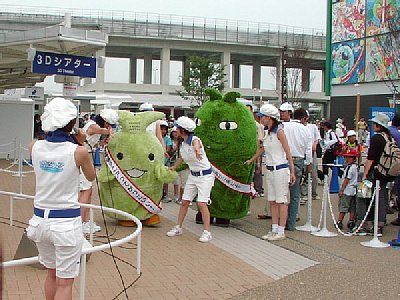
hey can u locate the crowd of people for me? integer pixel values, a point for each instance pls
(289, 148)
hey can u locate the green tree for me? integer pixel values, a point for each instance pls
(200, 73)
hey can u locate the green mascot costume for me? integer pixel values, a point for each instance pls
(229, 135)
(133, 172)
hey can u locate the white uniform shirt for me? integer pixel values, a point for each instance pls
(274, 153)
(93, 139)
(189, 156)
(57, 176)
(299, 140)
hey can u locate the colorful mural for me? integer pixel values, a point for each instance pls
(348, 20)
(382, 58)
(381, 15)
(348, 62)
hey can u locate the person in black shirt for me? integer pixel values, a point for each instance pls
(375, 150)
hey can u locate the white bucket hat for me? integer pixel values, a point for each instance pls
(270, 111)
(146, 107)
(164, 123)
(186, 123)
(58, 113)
(245, 102)
(351, 133)
(381, 119)
(109, 115)
(286, 106)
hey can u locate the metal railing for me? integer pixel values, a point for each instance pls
(173, 27)
(86, 250)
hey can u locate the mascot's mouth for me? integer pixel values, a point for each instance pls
(135, 173)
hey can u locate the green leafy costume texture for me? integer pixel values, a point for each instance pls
(228, 148)
(141, 156)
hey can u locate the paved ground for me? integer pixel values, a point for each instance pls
(236, 265)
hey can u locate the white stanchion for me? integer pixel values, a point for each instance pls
(375, 242)
(324, 232)
(308, 226)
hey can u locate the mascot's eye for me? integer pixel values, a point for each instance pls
(228, 125)
(120, 155)
(151, 156)
(197, 121)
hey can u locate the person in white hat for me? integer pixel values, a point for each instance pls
(380, 124)
(352, 143)
(280, 170)
(154, 128)
(56, 226)
(200, 180)
(98, 132)
(286, 111)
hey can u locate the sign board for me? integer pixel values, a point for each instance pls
(12, 94)
(70, 89)
(390, 112)
(35, 92)
(64, 64)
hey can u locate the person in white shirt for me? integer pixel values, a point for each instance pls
(94, 131)
(200, 180)
(280, 170)
(315, 139)
(56, 226)
(300, 145)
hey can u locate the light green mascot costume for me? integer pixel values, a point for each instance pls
(133, 172)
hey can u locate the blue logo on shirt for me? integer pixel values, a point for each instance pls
(50, 166)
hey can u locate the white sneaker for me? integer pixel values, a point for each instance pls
(86, 227)
(268, 236)
(205, 237)
(175, 231)
(176, 199)
(316, 197)
(165, 200)
(277, 237)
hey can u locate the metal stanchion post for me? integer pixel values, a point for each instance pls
(308, 227)
(324, 232)
(375, 242)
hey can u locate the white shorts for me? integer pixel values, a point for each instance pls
(198, 185)
(84, 184)
(182, 177)
(277, 184)
(59, 242)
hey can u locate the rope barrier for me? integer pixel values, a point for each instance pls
(355, 231)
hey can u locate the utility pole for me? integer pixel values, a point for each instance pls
(284, 87)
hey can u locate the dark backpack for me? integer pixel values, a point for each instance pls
(389, 162)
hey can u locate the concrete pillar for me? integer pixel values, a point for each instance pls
(172, 112)
(256, 74)
(236, 75)
(133, 69)
(278, 74)
(305, 79)
(147, 68)
(84, 105)
(226, 62)
(165, 59)
(100, 72)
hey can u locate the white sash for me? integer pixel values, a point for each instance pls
(232, 183)
(133, 191)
